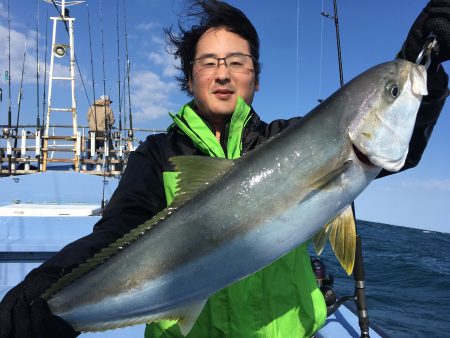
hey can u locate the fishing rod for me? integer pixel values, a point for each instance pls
(128, 66)
(105, 157)
(38, 122)
(92, 67)
(118, 69)
(9, 155)
(20, 95)
(44, 99)
(44, 93)
(338, 39)
(124, 90)
(358, 270)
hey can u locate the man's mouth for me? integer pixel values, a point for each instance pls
(223, 91)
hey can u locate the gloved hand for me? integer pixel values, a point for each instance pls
(435, 18)
(24, 315)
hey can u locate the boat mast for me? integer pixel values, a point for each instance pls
(59, 50)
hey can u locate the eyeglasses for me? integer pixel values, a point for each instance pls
(236, 63)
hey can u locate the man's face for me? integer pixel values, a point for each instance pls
(216, 94)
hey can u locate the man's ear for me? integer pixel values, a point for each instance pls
(256, 86)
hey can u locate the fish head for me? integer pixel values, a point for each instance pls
(385, 117)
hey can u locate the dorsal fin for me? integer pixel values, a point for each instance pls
(341, 232)
(196, 174)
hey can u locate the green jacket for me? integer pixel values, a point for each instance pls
(280, 301)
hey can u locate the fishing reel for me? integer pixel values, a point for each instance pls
(8, 132)
(324, 281)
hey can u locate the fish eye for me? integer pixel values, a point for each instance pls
(393, 89)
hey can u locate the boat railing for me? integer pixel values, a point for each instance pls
(23, 150)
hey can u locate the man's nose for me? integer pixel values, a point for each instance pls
(222, 73)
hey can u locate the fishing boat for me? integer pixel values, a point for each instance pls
(68, 147)
(55, 183)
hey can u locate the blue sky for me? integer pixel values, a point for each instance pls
(299, 66)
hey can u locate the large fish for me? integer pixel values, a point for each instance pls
(232, 218)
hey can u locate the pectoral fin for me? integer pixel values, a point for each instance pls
(341, 232)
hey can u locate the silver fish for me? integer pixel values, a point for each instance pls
(232, 218)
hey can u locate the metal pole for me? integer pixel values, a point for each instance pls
(338, 42)
(358, 270)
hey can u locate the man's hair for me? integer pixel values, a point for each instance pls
(209, 14)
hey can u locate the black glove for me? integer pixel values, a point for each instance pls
(435, 18)
(24, 315)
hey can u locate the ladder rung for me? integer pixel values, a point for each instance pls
(61, 78)
(61, 109)
(64, 160)
(55, 137)
(100, 161)
(24, 160)
(58, 149)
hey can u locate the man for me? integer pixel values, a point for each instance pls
(220, 69)
(101, 119)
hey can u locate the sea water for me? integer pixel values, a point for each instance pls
(407, 279)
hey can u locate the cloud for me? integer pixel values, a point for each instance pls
(3, 12)
(147, 26)
(151, 96)
(157, 40)
(18, 43)
(167, 62)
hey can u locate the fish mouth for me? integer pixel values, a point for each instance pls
(362, 157)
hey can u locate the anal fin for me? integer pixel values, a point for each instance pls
(189, 315)
(341, 232)
(185, 316)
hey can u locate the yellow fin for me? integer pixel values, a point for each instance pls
(320, 238)
(341, 232)
(196, 174)
(189, 317)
